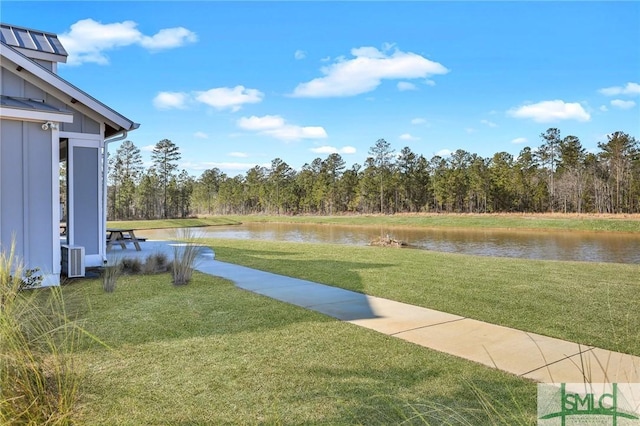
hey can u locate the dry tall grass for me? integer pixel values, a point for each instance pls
(38, 385)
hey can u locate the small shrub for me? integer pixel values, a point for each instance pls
(155, 263)
(150, 265)
(162, 262)
(131, 266)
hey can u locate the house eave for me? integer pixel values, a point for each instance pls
(17, 63)
(22, 114)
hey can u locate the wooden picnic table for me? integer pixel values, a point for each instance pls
(122, 236)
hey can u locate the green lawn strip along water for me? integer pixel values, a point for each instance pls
(589, 303)
(515, 221)
(172, 223)
(488, 221)
(210, 353)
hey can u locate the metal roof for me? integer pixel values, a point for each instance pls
(36, 41)
(28, 103)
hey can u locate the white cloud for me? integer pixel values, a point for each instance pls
(333, 150)
(147, 148)
(365, 71)
(604, 108)
(488, 123)
(300, 54)
(238, 154)
(168, 38)
(266, 122)
(519, 140)
(405, 85)
(229, 98)
(408, 137)
(169, 100)
(444, 152)
(88, 40)
(549, 111)
(201, 135)
(630, 89)
(292, 133)
(430, 83)
(276, 127)
(348, 150)
(418, 120)
(619, 103)
(470, 130)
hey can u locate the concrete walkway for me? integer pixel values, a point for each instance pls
(540, 358)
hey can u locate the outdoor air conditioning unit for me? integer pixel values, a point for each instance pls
(73, 261)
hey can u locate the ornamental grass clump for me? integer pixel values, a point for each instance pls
(184, 257)
(38, 385)
(110, 276)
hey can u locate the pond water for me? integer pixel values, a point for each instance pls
(548, 245)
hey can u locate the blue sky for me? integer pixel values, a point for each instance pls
(237, 84)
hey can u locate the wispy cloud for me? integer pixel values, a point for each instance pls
(300, 54)
(201, 135)
(405, 85)
(488, 123)
(365, 71)
(333, 150)
(551, 111)
(408, 137)
(418, 120)
(276, 127)
(621, 104)
(171, 100)
(631, 89)
(519, 140)
(221, 98)
(238, 154)
(87, 41)
(229, 98)
(444, 152)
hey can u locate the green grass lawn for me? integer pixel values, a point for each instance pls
(590, 303)
(611, 223)
(490, 221)
(210, 353)
(172, 223)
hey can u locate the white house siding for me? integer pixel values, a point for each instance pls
(26, 196)
(81, 123)
(13, 85)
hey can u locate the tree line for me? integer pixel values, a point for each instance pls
(557, 176)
